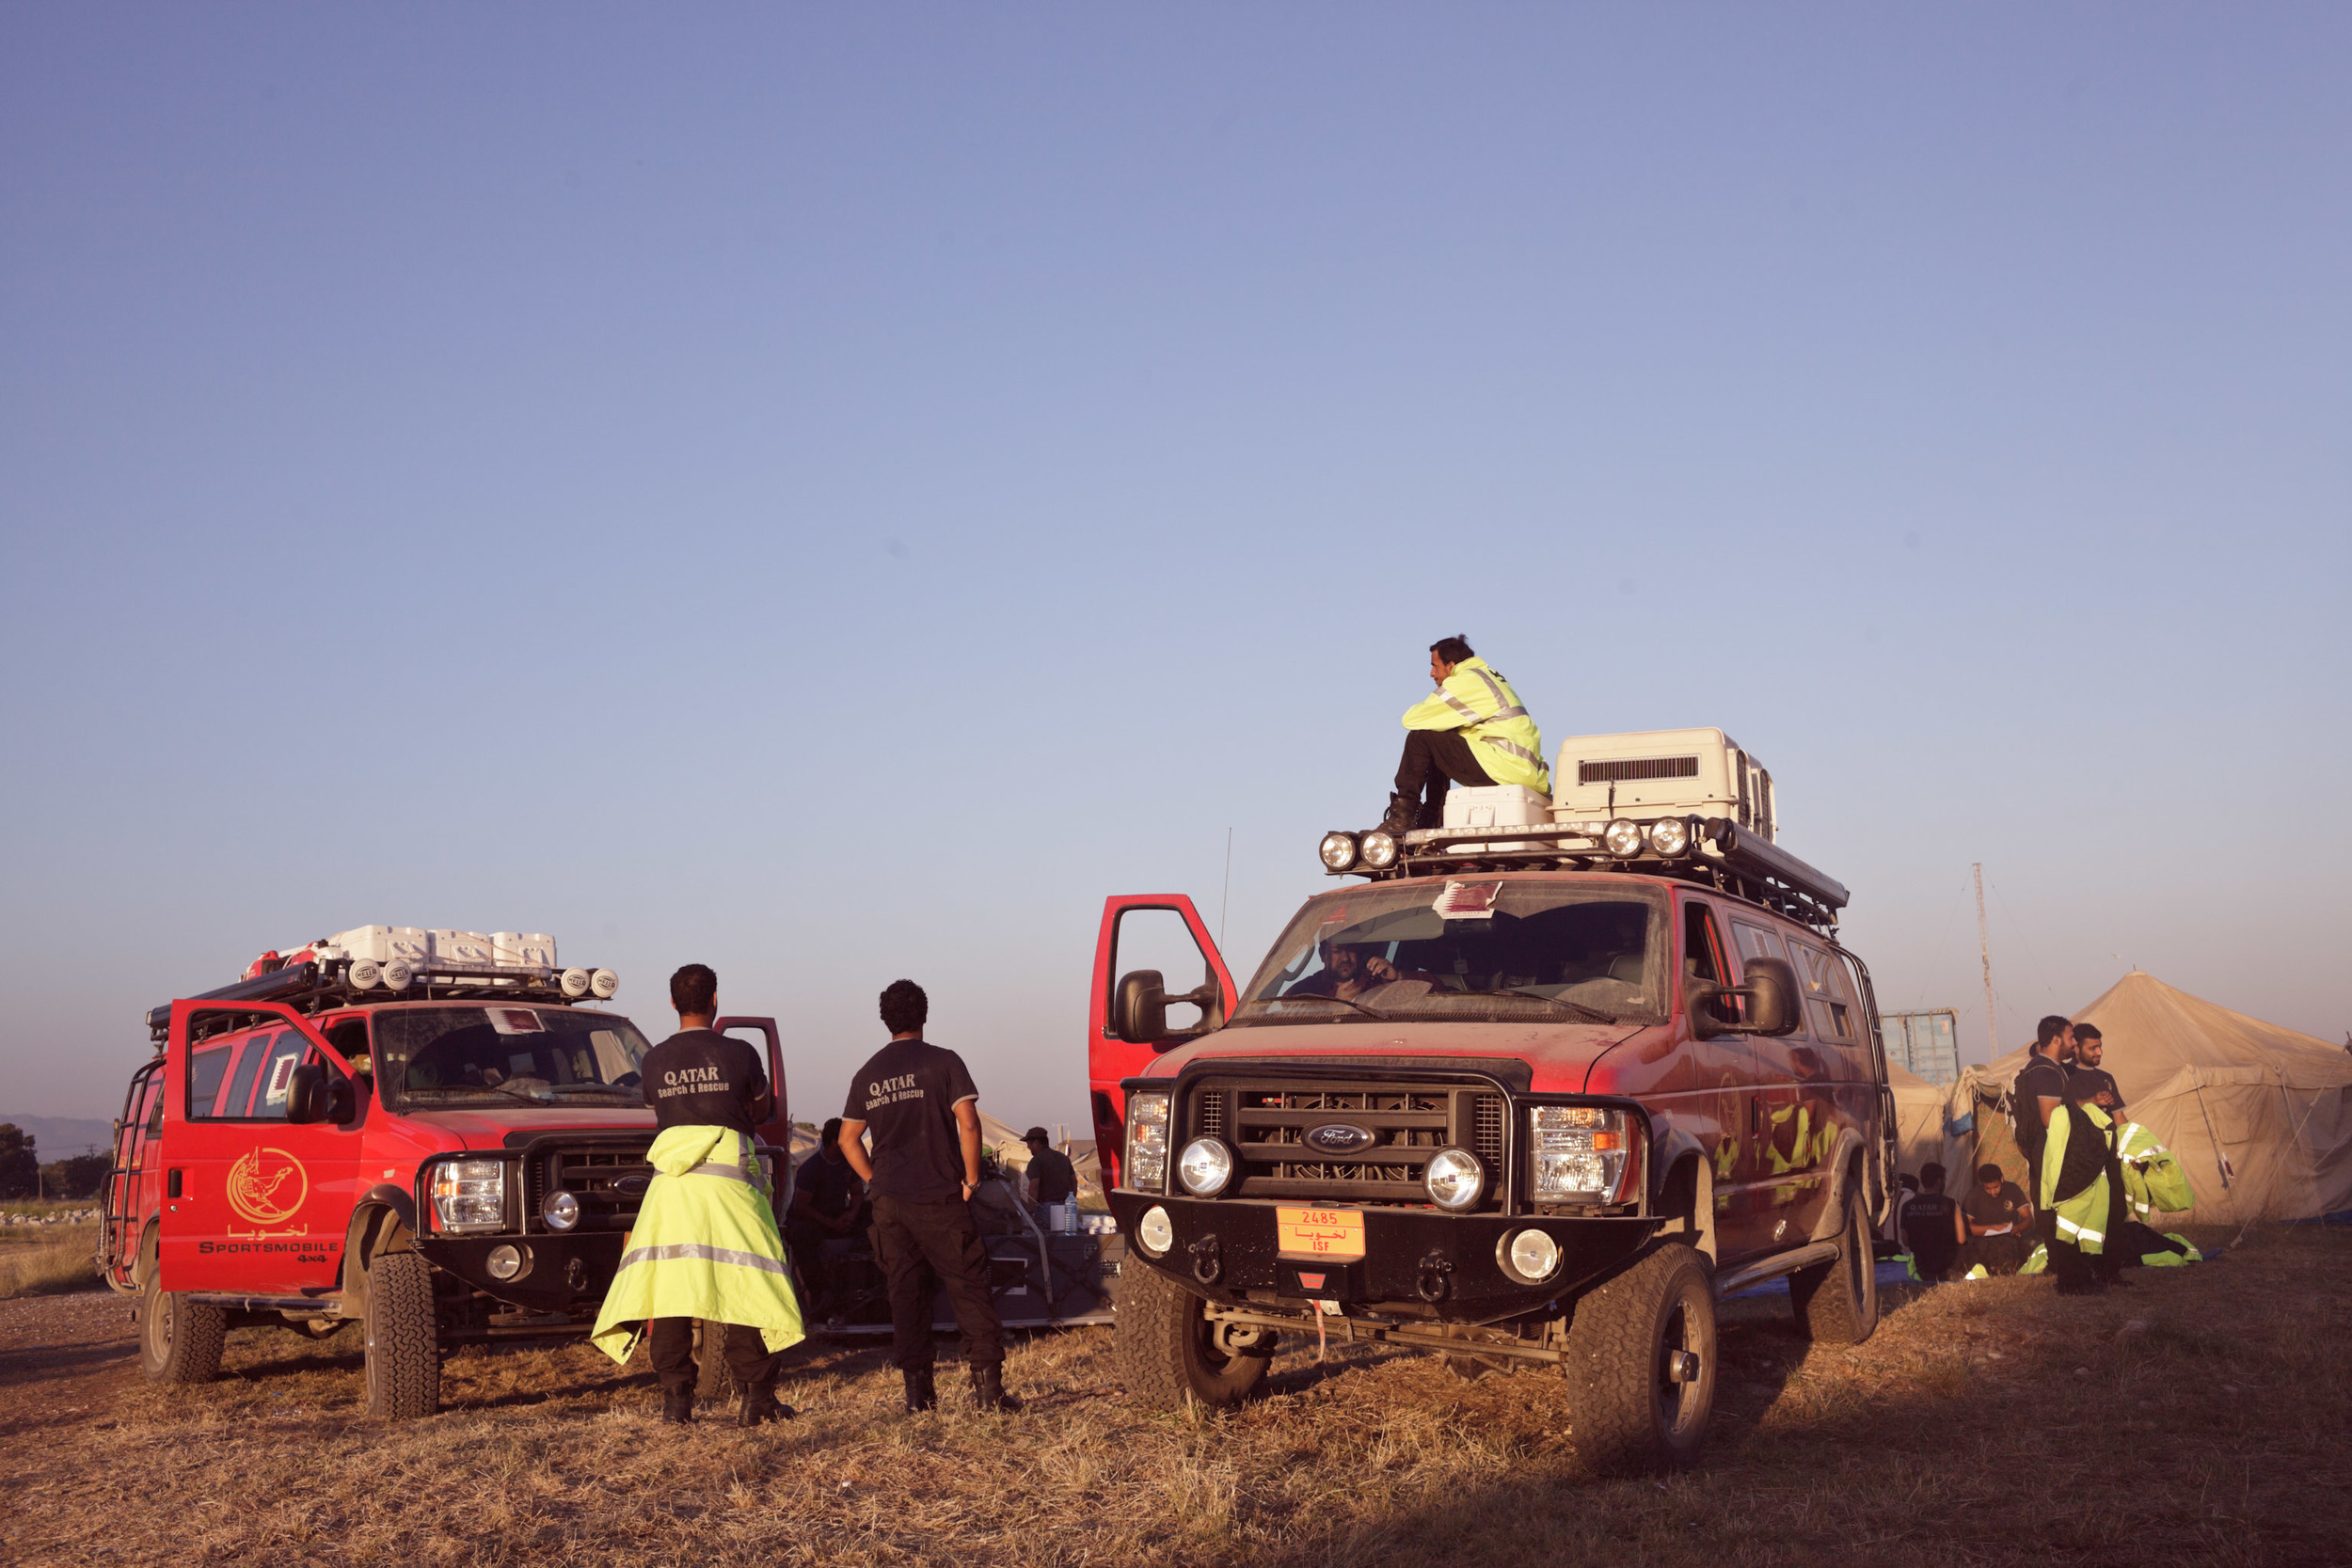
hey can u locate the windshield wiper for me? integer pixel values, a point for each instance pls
(1592, 1014)
(1325, 996)
(482, 1088)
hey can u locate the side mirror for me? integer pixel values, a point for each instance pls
(306, 1094)
(1139, 1007)
(1771, 992)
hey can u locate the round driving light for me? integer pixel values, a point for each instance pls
(1338, 851)
(574, 982)
(1379, 850)
(1670, 838)
(398, 973)
(560, 1210)
(604, 983)
(505, 1261)
(365, 974)
(1623, 838)
(1205, 1167)
(1455, 1180)
(1156, 1231)
(1532, 1254)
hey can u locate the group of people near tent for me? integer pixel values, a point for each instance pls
(2069, 1156)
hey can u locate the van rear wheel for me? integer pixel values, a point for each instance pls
(180, 1341)
(403, 1346)
(1167, 1348)
(1837, 1302)
(1640, 1365)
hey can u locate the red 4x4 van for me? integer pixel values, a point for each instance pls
(1539, 1101)
(456, 1162)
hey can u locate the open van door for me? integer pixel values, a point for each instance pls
(1159, 982)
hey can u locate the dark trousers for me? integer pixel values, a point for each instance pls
(673, 1340)
(1432, 759)
(928, 1246)
(2000, 1255)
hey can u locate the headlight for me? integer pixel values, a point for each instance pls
(1147, 1143)
(1623, 838)
(1670, 836)
(1581, 1153)
(1455, 1180)
(469, 1194)
(574, 982)
(1531, 1255)
(604, 983)
(506, 1260)
(560, 1210)
(1205, 1168)
(1155, 1231)
(1338, 851)
(1379, 850)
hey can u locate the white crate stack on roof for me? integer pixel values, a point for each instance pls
(1651, 773)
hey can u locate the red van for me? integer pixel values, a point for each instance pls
(1537, 1100)
(454, 1161)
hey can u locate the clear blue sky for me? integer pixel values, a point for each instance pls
(834, 491)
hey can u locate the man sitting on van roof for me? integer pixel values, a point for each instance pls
(1473, 732)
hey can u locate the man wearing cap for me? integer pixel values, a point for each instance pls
(1051, 1177)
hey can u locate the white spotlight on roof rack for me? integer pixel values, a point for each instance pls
(574, 982)
(1670, 836)
(398, 973)
(604, 983)
(366, 973)
(1623, 838)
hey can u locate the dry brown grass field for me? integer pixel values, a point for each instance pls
(2199, 1417)
(38, 1259)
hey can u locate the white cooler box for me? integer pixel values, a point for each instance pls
(1497, 806)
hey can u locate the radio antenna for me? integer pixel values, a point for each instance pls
(1984, 950)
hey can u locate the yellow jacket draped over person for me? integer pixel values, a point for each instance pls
(1481, 704)
(704, 1246)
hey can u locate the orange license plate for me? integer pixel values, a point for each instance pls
(1319, 1232)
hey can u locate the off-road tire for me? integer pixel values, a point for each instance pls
(404, 1341)
(180, 1341)
(1837, 1302)
(713, 1381)
(1167, 1355)
(1628, 1415)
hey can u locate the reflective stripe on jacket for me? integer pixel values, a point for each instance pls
(2152, 1179)
(2081, 1216)
(704, 1246)
(1480, 703)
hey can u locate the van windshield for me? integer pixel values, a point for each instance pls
(1474, 950)
(485, 1055)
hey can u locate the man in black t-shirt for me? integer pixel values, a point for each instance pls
(1051, 1177)
(924, 1111)
(1930, 1225)
(828, 1205)
(2086, 1080)
(1998, 1222)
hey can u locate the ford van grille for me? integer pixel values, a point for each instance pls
(1346, 1142)
(609, 1181)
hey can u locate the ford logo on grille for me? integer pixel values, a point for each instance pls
(1341, 1138)
(633, 1185)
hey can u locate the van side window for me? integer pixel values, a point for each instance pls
(285, 1053)
(240, 1093)
(1827, 1000)
(1702, 952)
(206, 1068)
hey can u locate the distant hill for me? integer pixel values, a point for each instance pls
(55, 1137)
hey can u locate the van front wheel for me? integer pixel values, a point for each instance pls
(404, 1338)
(1640, 1365)
(1167, 1348)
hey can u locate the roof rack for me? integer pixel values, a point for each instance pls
(1712, 851)
(312, 988)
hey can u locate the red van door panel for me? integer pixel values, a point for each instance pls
(777, 1129)
(1146, 930)
(252, 1203)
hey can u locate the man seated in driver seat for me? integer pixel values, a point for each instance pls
(1349, 969)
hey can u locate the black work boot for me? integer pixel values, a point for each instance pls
(1402, 813)
(988, 1391)
(761, 1404)
(678, 1406)
(1432, 813)
(922, 1393)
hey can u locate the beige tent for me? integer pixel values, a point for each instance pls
(1918, 1118)
(2260, 1117)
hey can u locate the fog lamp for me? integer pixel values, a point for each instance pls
(1205, 1168)
(1532, 1254)
(560, 1210)
(604, 983)
(398, 973)
(574, 982)
(365, 974)
(505, 1261)
(1156, 1232)
(1455, 1180)
(1379, 849)
(1338, 851)
(1623, 838)
(1670, 838)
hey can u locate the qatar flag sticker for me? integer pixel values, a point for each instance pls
(1467, 901)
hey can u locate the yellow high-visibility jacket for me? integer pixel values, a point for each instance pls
(704, 1246)
(1480, 703)
(2084, 1216)
(2152, 1179)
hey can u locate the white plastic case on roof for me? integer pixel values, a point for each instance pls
(1652, 773)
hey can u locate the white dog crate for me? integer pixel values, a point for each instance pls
(1648, 774)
